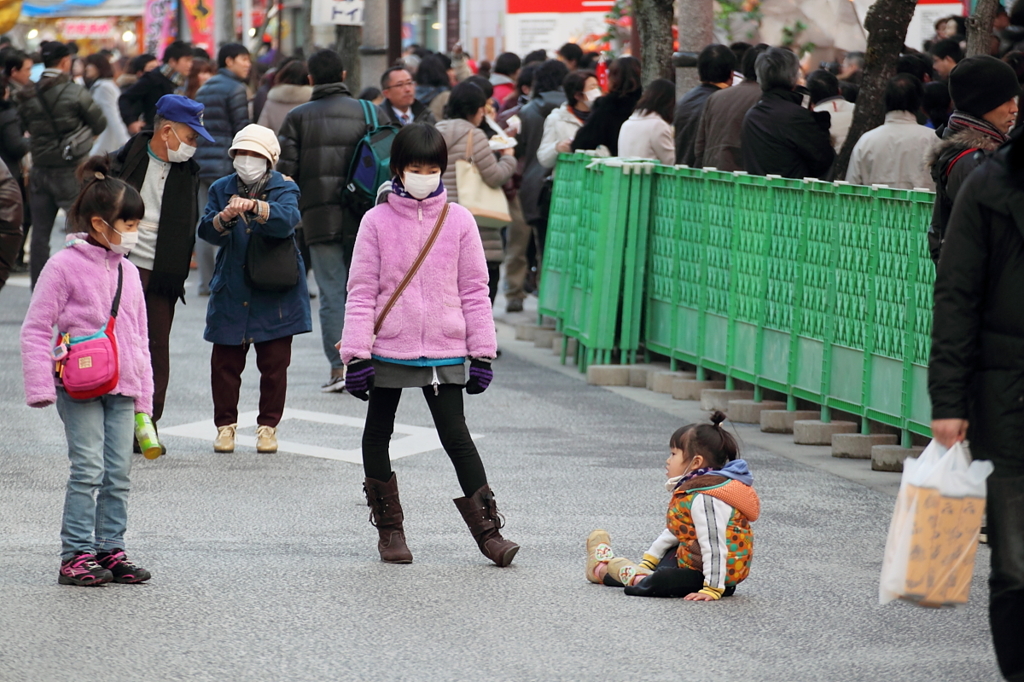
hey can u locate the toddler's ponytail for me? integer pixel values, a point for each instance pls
(717, 446)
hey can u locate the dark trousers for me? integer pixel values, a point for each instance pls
(160, 317)
(226, 366)
(493, 275)
(669, 580)
(1006, 583)
(50, 189)
(450, 420)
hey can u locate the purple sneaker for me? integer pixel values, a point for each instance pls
(82, 569)
(123, 570)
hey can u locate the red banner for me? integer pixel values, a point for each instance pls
(199, 14)
(561, 6)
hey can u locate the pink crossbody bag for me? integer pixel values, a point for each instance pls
(88, 365)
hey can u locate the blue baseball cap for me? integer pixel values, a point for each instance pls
(181, 109)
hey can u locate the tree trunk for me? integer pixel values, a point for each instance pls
(886, 24)
(696, 30)
(654, 23)
(347, 42)
(979, 27)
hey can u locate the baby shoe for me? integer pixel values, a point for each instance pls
(599, 549)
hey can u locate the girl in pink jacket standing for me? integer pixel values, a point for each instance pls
(76, 292)
(417, 309)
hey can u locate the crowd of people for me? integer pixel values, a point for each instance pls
(244, 171)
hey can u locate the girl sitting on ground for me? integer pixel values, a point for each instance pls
(707, 545)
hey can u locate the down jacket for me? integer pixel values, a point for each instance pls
(976, 370)
(280, 100)
(238, 314)
(495, 171)
(226, 112)
(445, 311)
(71, 107)
(317, 142)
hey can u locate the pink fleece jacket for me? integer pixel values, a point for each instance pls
(74, 293)
(445, 311)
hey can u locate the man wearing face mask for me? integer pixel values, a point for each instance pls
(159, 165)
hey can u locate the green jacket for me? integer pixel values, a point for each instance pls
(71, 108)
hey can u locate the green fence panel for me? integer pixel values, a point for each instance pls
(752, 218)
(566, 198)
(664, 262)
(635, 262)
(593, 303)
(719, 207)
(919, 343)
(690, 245)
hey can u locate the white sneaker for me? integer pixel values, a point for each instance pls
(336, 384)
(225, 438)
(266, 439)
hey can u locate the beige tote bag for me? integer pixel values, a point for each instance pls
(487, 204)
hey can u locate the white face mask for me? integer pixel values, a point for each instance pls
(128, 241)
(182, 154)
(593, 94)
(250, 168)
(421, 186)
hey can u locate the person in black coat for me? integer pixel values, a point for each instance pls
(781, 137)
(318, 139)
(715, 65)
(139, 101)
(976, 370)
(612, 110)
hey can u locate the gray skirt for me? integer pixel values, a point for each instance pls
(392, 375)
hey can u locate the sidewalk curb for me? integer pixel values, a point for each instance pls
(818, 457)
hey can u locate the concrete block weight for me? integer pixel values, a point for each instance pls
(781, 421)
(890, 457)
(639, 374)
(527, 331)
(691, 389)
(749, 412)
(544, 337)
(858, 446)
(608, 375)
(817, 432)
(718, 398)
(661, 382)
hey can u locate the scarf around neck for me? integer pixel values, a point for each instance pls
(960, 121)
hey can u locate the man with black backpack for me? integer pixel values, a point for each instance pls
(318, 141)
(62, 120)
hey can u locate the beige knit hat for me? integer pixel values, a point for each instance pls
(259, 139)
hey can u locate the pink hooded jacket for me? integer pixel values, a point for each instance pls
(445, 311)
(74, 292)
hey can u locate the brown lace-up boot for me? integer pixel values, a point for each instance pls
(386, 516)
(481, 515)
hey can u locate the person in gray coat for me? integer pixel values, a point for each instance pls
(227, 111)
(62, 119)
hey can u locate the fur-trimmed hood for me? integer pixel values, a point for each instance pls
(954, 142)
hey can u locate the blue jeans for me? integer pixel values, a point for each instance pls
(1006, 582)
(99, 433)
(331, 274)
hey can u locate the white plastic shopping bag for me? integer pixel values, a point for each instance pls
(933, 537)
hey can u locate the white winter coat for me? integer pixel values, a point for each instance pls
(645, 135)
(106, 93)
(560, 125)
(894, 154)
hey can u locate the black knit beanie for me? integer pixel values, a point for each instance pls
(982, 83)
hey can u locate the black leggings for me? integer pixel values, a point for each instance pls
(668, 580)
(449, 419)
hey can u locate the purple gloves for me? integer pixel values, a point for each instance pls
(480, 376)
(359, 379)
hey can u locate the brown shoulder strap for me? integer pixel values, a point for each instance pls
(469, 146)
(429, 244)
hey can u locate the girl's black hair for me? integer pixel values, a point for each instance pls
(717, 446)
(624, 76)
(525, 79)
(465, 101)
(483, 84)
(103, 195)
(418, 143)
(677, 441)
(659, 98)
